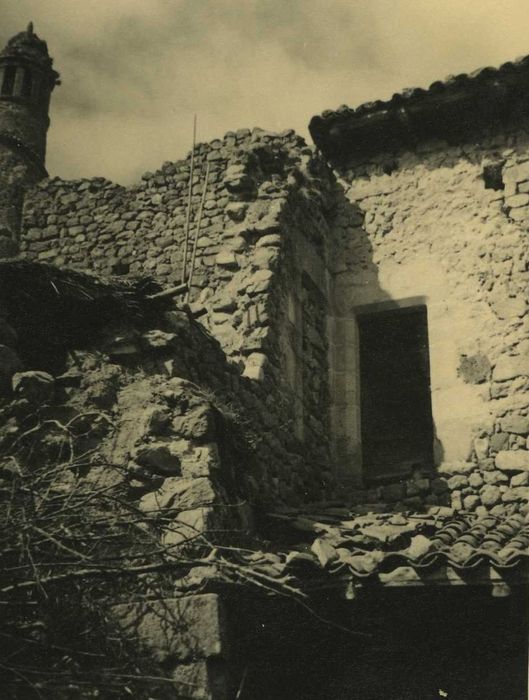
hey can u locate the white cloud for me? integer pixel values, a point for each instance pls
(135, 71)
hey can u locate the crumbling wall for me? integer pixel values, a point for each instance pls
(433, 225)
(183, 449)
(268, 462)
(260, 249)
(118, 421)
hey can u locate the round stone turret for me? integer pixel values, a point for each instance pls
(27, 79)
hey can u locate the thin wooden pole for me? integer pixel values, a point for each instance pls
(197, 233)
(171, 292)
(189, 194)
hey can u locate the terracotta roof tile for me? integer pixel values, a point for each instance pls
(332, 130)
(380, 543)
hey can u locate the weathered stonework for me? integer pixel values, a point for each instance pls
(428, 230)
(26, 82)
(260, 268)
(279, 234)
(244, 394)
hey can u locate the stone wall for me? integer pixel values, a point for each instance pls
(284, 258)
(429, 226)
(260, 256)
(150, 427)
(16, 174)
(25, 124)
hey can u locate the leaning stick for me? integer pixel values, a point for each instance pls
(189, 193)
(171, 292)
(197, 232)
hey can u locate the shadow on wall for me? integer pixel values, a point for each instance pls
(382, 421)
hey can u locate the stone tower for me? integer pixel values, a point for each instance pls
(27, 79)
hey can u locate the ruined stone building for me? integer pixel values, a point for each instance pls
(342, 388)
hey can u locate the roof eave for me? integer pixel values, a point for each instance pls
(451, 112)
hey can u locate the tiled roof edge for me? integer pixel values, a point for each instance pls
(495, 86)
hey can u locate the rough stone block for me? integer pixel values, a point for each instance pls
(495, 477)
(260, 276)
(238, 244)
(189, 525)
(236, 210)
(475, 480)
(519, 214)
(201, 460)
(517, 173)
(160, 458)
(422, 484)
(490, 495)
(271, 239)
(201, 680)
(158, 340)
(225, 302)
(499, 441)
(521, 492)
(517, 200)
(121, 345)
(511, 366)
(179, 493)
(198, 424)
(515, 424)
(521, 479)
(34, 234)
(513, 460)
(471, 502)
(191, 627)
(244, 184)
(481, 447)
(506, 307)
(457, 481)
(255, 366)
(450, 468)
(486, 465)
(226, 258)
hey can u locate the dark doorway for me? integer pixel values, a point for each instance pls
(396, 412)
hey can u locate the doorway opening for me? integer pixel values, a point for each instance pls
(395, 403)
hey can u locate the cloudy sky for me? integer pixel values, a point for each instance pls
(135, 71)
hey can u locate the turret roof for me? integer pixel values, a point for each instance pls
(27, 45)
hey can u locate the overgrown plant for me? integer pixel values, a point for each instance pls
(73, 543)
